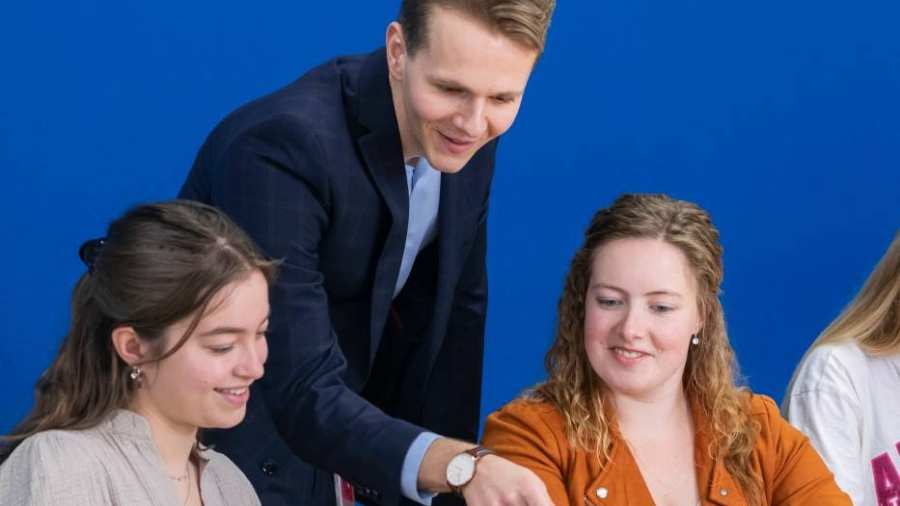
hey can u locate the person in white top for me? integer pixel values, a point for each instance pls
(845, 394)
(168, 331)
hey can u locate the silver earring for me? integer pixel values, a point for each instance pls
(136, 374)
(695, 340)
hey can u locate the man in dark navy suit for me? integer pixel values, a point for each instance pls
(369, 177)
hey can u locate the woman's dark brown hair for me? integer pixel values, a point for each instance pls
(158, 264)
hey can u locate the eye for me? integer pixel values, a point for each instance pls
(607, 302)
(503, 100)
(262, 334)
(450, 90)
(221, 350)
(661, 308)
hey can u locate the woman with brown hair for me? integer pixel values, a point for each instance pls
(845, 394)
(167, 334)
(640, 405)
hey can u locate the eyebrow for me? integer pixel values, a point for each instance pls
(450, 83)
(222, 330)
(654, 292)
(229, 330)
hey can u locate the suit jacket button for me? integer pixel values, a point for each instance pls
(269, 467)
(602, 492)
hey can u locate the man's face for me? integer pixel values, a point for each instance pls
(461, 89)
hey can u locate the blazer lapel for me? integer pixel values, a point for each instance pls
(383, 156)
(390, 180)
(619, 482)
(714, 481)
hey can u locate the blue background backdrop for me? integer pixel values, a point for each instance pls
(781, 118)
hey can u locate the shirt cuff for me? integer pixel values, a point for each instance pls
(411, 464)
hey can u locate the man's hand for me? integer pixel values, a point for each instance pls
(497, 481)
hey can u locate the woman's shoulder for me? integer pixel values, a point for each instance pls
(46, 467)
(832, 367)
(787, 461)
(763, 407)
(56, 447)
(531, 411)
(526, 431)
(526, 425)
(774, 432)
(848, 353)
(830, 359)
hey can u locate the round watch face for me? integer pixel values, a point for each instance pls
(460, 470)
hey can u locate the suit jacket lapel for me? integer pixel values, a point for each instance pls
(391, 183)
(383, 155)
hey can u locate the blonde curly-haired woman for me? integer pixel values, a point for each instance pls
(640, 405)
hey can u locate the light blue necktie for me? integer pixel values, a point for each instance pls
(424, 186)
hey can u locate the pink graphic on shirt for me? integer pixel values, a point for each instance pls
(887, 480)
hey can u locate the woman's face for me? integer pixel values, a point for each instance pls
(640, 312)
(206, 382)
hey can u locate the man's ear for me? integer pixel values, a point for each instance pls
(395, 46)
(128, 345)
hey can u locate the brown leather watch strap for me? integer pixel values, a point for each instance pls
(476, 452)
(480, 451)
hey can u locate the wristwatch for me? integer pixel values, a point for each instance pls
(461, 468)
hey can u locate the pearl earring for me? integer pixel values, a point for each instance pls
(695, 340)
(136, 374)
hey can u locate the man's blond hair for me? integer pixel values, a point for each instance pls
(524, 21)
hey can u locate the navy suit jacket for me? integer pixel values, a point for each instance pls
(315, 174)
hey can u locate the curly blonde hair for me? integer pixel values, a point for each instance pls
(711, 369)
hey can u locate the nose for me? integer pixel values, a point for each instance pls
(471, 118)
(252, 360)
(632, 326)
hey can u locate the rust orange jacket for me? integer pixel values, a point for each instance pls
(532, 434)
